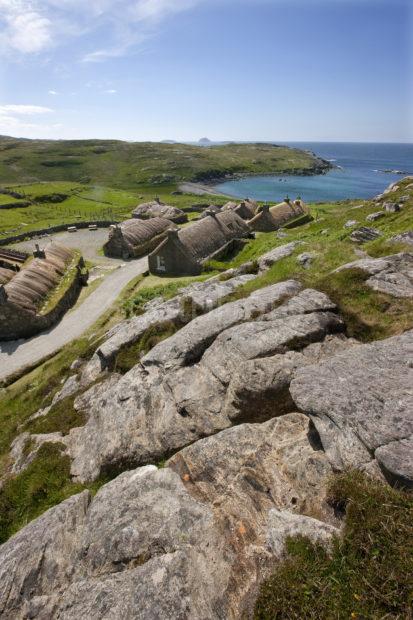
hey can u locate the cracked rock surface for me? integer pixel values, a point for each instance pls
(392, 274)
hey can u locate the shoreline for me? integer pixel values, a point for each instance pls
(207, 187)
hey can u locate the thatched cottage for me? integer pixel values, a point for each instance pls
(245, 209)
(263, 221)
(288, 210)
(183, 252)
(135, 237)
(23, 293)
(156, 208)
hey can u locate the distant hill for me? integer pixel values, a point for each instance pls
(129, 165)
(204, 141)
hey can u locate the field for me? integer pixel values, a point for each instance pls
(130, 165)
(83, 203)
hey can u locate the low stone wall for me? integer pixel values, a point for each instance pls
(15, 322)
(54, 229)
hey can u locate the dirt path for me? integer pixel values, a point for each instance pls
(16, 355)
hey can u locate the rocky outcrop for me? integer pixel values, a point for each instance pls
(392, 275)
(362, 405)
(364, 234)
(192, 540)
(182, 390)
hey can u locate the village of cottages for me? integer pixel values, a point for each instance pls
(174, 248)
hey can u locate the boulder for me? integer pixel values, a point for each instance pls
(273, 256)
(364, 234)
(283, 524)
(192, 540)
(350, 223)
(406, 237)
(361, 403)
(182, 389)
(392, 275)
(391, 207)
(375, 216)
(305, 259)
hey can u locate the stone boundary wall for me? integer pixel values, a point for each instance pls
(16, 323)
(53, 229)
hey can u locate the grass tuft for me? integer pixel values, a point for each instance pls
(369, 572)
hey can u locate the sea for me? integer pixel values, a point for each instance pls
(359, 173)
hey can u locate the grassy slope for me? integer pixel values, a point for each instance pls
(128, 165)
(368, 314)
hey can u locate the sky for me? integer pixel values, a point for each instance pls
(277, 70)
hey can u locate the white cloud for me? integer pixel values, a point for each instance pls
(33, 26)
(13, 119)
(111, 91)
(23, 28)
(52, 92)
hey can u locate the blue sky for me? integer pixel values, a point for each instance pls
(227, 69)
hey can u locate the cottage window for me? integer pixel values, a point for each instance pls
(160, 263)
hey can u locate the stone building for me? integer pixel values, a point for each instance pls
(183, 252)
(245, 209)
(156, 208)
(263, 221)
(288, 210)
(136, 237)
(24, 292)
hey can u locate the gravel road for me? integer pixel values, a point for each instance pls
(16, 355)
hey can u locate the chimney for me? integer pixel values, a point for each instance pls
(173, 233)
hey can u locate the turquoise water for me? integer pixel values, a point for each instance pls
(359, 176)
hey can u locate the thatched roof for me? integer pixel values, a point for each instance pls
(285, 211)
(31, 285)
(156, 208)
(263, 221)
(6, 275)
(136, 232)
(135, 237)
(211, 233)
(245, 209)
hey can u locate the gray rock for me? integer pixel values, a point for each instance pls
(21, 457)
(375, 216)
(396, 461)
(264, 339)
(391, 207)
(406, 237)
(179, 391)
(273, 256)
(70, 387)
(39, 560)
(187, 541)
(188, 345)
(359, 400)
(364, 234)
(283, 524)
(203, 295)
(305, 259)
(392, 275)
(350, 223)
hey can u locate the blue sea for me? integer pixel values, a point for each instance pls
(359, 175)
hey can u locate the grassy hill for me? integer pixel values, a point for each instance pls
(41, 205)
(129, 165)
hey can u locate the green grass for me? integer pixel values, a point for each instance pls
(45, 483)
(369, 572)
(61, 418)
(85, 203)
(128, 165)
(130, 355)
(153, 287)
